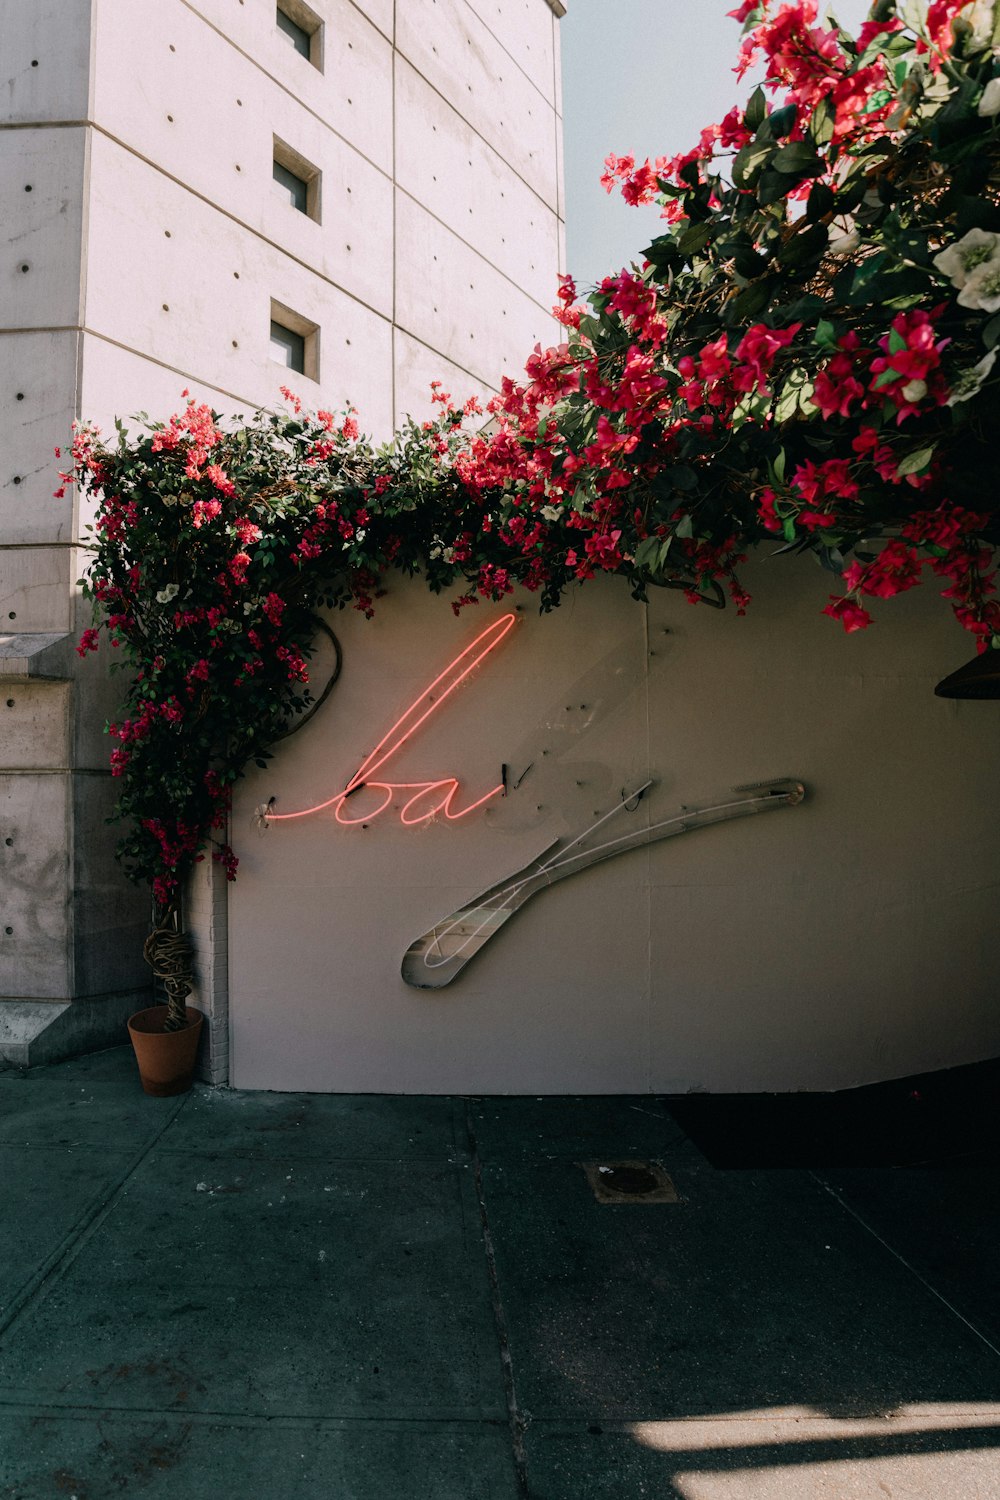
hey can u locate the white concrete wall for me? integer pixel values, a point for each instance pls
(144, 243)
(441, 231)
(847, 940)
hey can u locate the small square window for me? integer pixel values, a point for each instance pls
(302, 29)
(295, 189)
(296, 180)
(287, 347)
(294, 341)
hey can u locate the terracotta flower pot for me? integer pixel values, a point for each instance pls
(166, 1058)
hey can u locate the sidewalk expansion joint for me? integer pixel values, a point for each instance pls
(928, 1286)
(517, 1421)
(69, 1247)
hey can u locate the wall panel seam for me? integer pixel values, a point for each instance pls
(297, 259)
(477, 133)
(507, 53)
(284, 87)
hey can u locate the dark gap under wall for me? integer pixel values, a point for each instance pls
(947, 1118)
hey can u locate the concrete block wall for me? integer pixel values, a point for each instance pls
(68, 968)
(145, 243)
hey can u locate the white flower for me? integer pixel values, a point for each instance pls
(914, 391)
(169, 594)
(989, 104)
(969, 381)
(843, 244)
(982, 289)
(550, 512)
(980, 17)
(972, 252)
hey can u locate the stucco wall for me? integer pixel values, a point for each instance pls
(846, 940)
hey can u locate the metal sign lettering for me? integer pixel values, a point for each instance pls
(439, 956)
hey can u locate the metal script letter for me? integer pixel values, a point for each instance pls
(439, 956)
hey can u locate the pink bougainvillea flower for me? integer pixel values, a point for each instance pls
(756, 353)
(205, 510)
(850, 614)
(836, 389)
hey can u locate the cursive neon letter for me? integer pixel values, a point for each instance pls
(427, 798)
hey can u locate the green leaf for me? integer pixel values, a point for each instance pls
(912, 243)
(773, 186)
(646, 552)
(662, 254)
(748, 264)
(684, 527)
(805, 246)
(681, 477)
(902, 286)
(886, 378)
(788, 529)
(696, 237)
(825, 335)
(797, 159)
(867, 272)
(782, 120)
(897, 342)
(756, 109)
(804, 309)
(991, 333)
(916, 463)
(972, 212)
(751, 301)
(749, 161)
(795, 397)
(822, 201)
(822, 123)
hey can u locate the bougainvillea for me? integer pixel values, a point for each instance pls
(803, 357)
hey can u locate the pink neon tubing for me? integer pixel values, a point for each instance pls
(484, 643)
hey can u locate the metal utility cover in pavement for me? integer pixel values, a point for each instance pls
(630, 1182)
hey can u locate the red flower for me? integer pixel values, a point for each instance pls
(756, 353)
(850, 615)
(896, 569)
(204, 510)
(274, 608)
(836, 388)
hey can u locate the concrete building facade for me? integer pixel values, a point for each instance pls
(196, 192)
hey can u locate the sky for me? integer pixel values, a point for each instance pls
(641, 76)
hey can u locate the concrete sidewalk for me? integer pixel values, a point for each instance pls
(312, 1297)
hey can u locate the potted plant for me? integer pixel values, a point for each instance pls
(165, 1037)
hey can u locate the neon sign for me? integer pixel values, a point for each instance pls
(425, 799)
